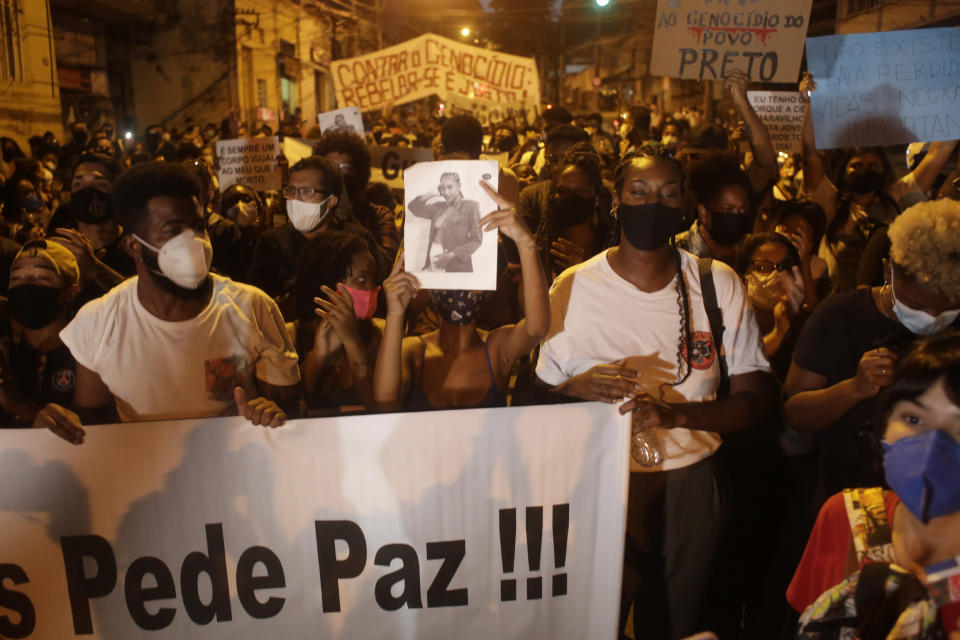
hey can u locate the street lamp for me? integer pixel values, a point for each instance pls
(466, 30)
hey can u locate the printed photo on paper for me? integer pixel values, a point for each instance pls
(444, 246)
(346, 119)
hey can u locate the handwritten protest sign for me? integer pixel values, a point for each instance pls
(346, 119)
(388, 163)
(885, 88)
(510, 524)
(250, 161)
(433, 65)
(707, 39)
(782, 113)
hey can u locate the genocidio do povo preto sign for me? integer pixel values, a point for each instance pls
(708, 39)
(434, 65)
(466, 524)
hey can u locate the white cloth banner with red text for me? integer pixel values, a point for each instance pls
(433, 65)
(503, 523)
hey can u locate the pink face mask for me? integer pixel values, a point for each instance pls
(364, 301)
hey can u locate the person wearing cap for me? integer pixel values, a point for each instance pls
(42, 299)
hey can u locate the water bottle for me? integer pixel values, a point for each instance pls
(646, 448)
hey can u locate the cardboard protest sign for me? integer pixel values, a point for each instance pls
(387, 164)
(433, 65)
(707, 39)
(509, 524)
(347, 119)
(444, 246)
(885, 88)
(782, 113)
(250, 161)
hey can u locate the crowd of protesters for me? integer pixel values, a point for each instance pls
(780, 327)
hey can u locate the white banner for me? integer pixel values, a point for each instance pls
(250, 161)
(782, 114)
(504, 523)
(706, 39)
(433, 65)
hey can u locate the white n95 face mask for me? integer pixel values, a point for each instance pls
(920, 322)
(307, 216)
(185, 258)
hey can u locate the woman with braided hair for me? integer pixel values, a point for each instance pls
(573, 225)
(630, 326)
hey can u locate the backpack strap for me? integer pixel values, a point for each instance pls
(869, 527)
(715, 316)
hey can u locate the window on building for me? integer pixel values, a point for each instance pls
(289, 96)
(10, 39)
(859, 6)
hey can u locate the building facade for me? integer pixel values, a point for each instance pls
(136, 63)
(29, 95)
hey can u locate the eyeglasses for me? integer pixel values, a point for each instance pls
(765, 266)
(301, 192)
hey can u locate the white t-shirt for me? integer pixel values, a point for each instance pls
(160, 370)
(597, 317)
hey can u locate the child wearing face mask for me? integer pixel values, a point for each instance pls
(906, 542)
(336, 291)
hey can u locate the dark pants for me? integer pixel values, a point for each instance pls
(675, 520)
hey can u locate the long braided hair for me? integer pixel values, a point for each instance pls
(685, 340)
(585, 158)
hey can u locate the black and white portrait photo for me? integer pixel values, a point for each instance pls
(346, 119)
(444, 244)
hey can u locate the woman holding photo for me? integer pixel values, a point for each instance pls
(459, 365)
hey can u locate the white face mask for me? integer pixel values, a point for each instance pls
(244, 213)
(921, 322)
(184, 259)
(307, 216)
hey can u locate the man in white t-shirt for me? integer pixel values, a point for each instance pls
(630, 327)
(174, 341)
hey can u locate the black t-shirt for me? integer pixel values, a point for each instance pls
(841, 329)
(274, 263)
(43, 377)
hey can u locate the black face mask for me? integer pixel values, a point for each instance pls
(648, 226)
(91, 205)
(80, 136)
(457, 307)
(571, 210)
(33, 305)
(864, 182)
(728, 228)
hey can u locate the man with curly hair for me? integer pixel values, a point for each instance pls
(349, 152)
(847, 351)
